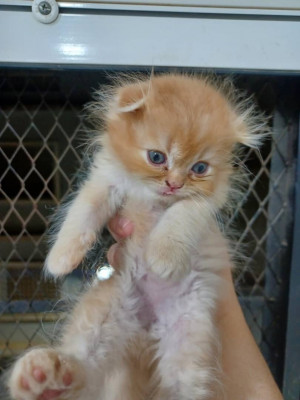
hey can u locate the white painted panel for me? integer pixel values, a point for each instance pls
(147, 40)
(272, 4)
(237, 4)
(222, 7)
(208, 3)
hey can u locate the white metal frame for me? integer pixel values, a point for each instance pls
(254, 5)
(227, 35)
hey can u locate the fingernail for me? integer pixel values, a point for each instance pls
(126, 227)
(123, 223)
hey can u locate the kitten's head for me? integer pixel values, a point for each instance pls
(177, 135)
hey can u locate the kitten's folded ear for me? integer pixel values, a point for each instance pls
(132, 98)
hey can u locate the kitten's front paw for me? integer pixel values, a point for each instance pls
(66, 254)
(167, 259)
(44, 374)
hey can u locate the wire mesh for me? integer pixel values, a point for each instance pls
(40, 130)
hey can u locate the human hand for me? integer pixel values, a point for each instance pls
(120, 228)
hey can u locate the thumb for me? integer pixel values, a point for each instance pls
(114, 255)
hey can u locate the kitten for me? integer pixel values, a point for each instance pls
(148, 332)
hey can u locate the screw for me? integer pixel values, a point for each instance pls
(45, 8)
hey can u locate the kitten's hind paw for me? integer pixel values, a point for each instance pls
(45, 374)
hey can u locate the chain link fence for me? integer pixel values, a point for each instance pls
(41, 127)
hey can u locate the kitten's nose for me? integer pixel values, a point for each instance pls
(174, 185)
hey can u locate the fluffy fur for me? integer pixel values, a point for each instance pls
(148, 332)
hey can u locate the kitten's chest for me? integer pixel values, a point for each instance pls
(144, 215)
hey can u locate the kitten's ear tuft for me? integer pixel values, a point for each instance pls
(251, 128)
(132, 98)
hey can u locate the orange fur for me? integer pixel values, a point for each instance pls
(149, 331)
(176, 110)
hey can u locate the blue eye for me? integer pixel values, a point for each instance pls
(200, 167)
(156, 157)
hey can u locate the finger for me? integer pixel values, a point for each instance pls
(120, 227)
(114, 255)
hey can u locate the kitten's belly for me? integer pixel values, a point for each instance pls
(163, 302)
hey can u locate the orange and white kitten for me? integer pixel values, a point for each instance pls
(148, 332)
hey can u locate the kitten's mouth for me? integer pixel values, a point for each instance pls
(169, 192)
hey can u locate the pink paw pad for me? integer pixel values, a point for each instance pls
(39, 375)
(24, 383)
(67, 379)
(44, 374)
(50, 394)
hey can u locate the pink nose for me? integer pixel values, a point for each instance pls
(174, 185)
